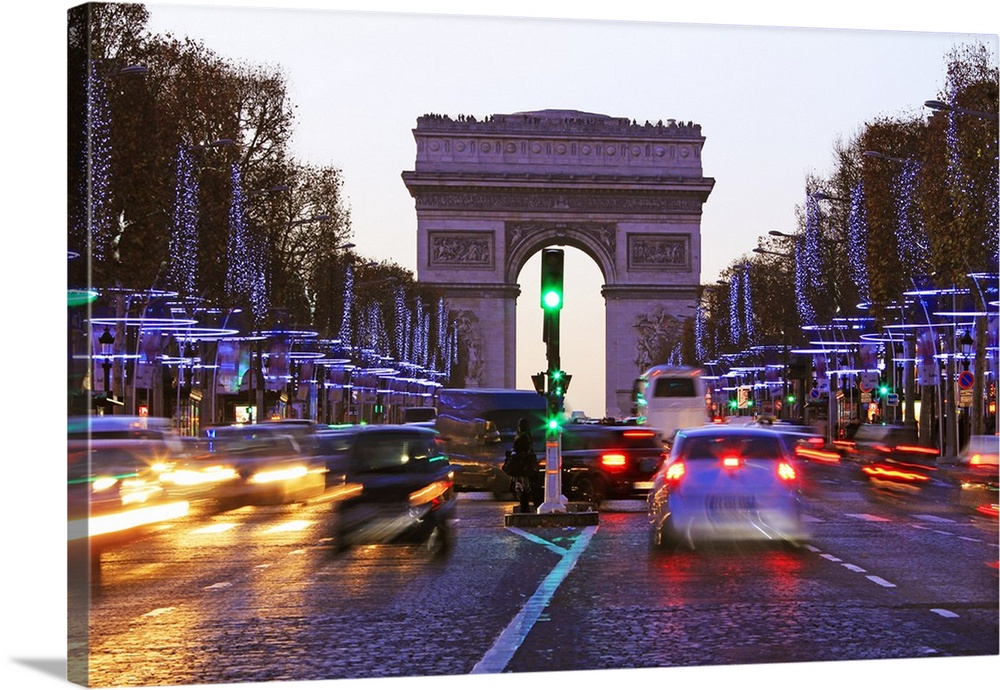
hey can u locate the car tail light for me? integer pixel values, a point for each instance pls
(786, 471)
(816, 454)
(613, 461)
(730, 461)
(882, 472)
(976, 459)
(922, 450)
(638, 433)
(675, 472)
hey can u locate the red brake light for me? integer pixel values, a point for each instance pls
(638, 433)
(730, 461)
(675, 472)
(613, 460)
(786, 471)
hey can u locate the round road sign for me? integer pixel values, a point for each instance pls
(965, 380)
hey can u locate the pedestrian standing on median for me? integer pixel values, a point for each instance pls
(523, 447)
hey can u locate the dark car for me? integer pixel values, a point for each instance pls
(602, 461)
(726, 483)
(389, 484)
(891, 456)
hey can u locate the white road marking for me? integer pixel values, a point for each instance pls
(945, 613)
(220, 585)
(879, 581)
(538, 540)
(868, 518)
(933, 518)
(971, 539)
(159, 612)
(830, 557)
(812, 548)
(854, 568)
(499, 655)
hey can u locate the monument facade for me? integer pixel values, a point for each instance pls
(490, 193)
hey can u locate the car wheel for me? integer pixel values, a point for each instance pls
(662, 537)
(441, 540)
(590, 490)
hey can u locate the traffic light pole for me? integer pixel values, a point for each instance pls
(551, 298)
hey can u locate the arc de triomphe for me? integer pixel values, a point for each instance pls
(491, 193)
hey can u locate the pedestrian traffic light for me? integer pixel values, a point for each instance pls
(552, 279)
(559, 382)
(538, 381)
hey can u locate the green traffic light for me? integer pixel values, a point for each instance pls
(553, 424)
(552, 279)
(790, 399)
(733, 404)
(552, 299)
(882, 390)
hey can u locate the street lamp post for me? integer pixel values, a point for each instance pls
(107, 342)
(948, 108)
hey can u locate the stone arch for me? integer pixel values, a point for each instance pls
(490, 193)
(526, 244)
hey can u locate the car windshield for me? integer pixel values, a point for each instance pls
(718, 447)
(374, 452)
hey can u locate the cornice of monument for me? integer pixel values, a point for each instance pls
(556, 122)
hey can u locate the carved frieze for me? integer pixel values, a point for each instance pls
(582, 203)
(659, 252)
(461, 249)
(595, 234)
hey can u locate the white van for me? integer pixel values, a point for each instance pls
(671, 398)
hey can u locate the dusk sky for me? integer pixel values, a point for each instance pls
(771, 102)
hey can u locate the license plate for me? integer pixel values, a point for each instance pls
(730, 505)
(642, 486)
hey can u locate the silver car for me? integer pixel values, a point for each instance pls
(724, 483)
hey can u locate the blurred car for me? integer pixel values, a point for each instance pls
(726, 483)
(113, 489)
(391, 484)
(977, 474)
(608, 461)
(806, 442)
(261, 464)
(891, 457)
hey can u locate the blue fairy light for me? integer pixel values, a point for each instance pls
(183, 244)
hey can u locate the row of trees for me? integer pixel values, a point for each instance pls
(911, 206)
(181, 179)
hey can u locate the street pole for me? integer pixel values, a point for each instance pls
(951, 452)
(551, 302)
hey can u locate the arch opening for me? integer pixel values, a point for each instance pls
(582, 330)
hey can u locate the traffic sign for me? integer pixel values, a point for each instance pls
(892, 399)
(965, 380)
(868, 381)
